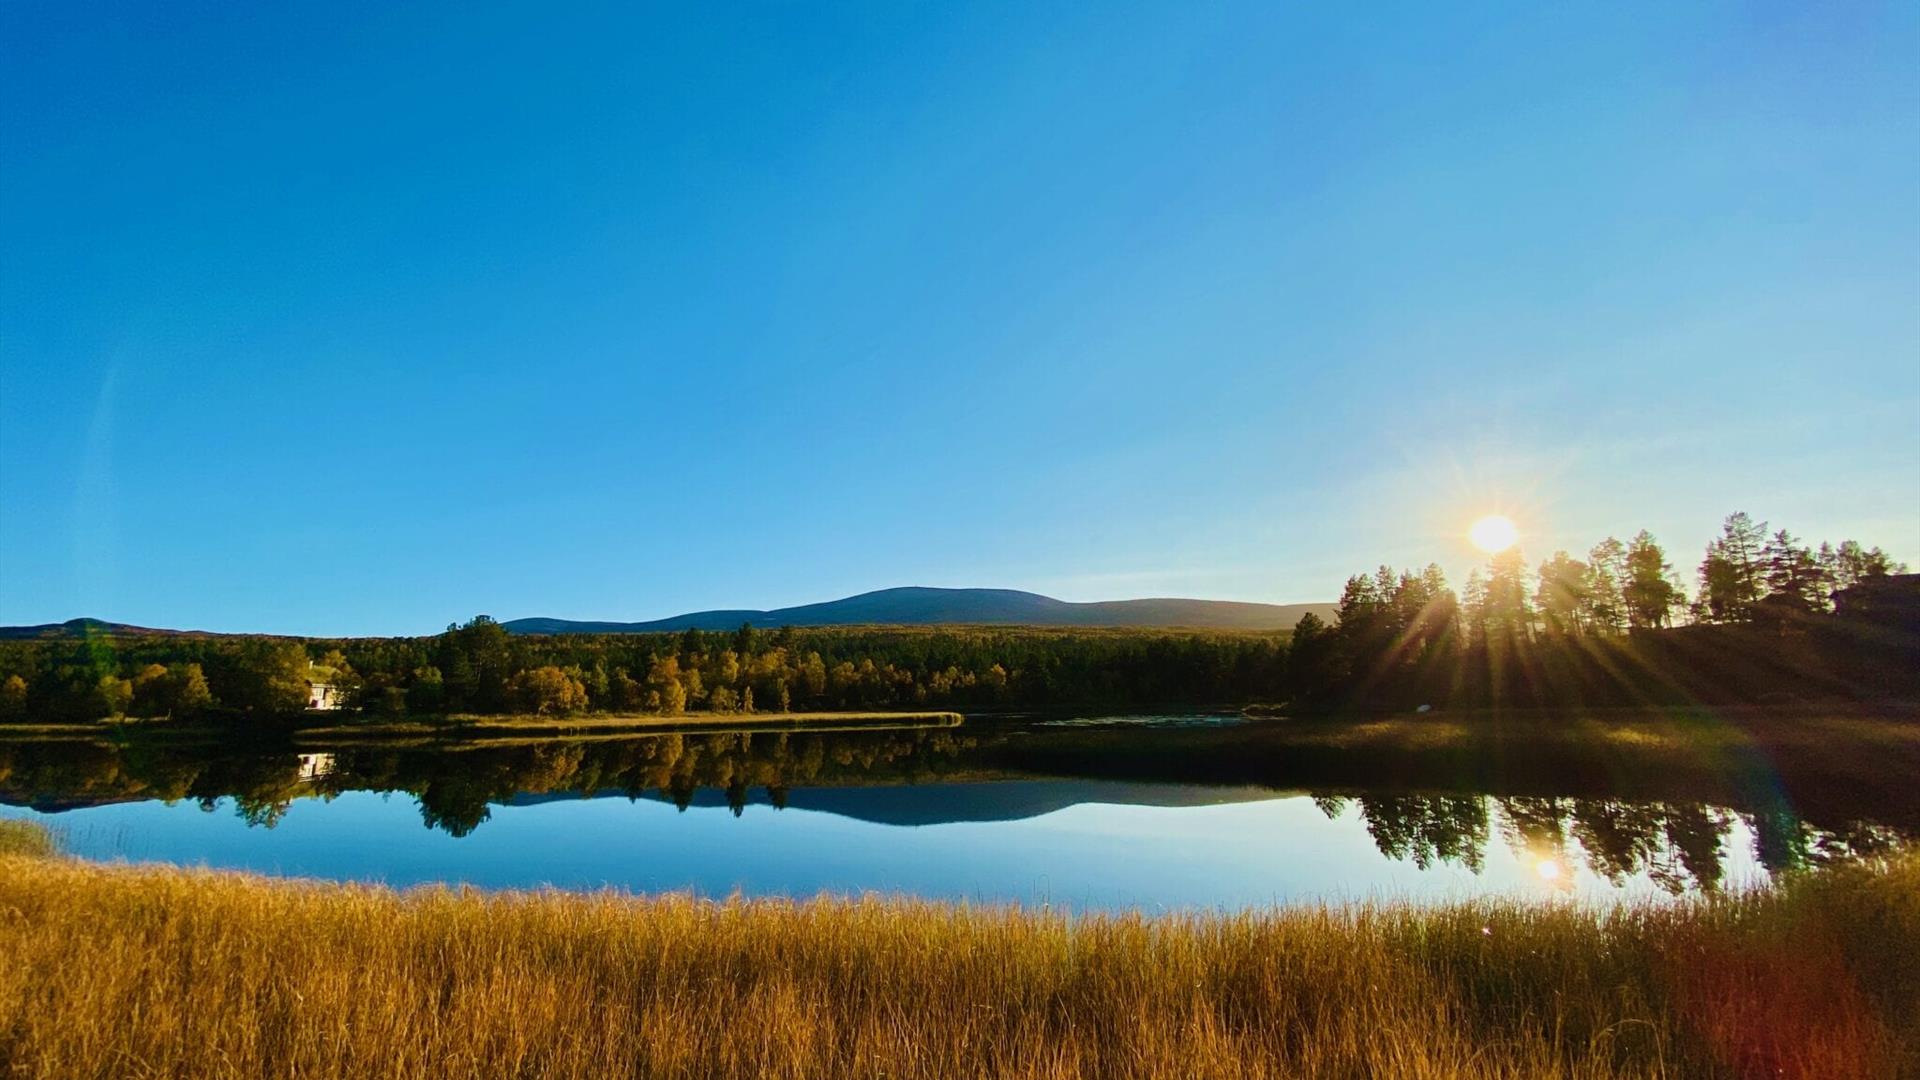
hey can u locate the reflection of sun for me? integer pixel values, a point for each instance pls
(1493, 533)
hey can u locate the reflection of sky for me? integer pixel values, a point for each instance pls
(1091, 855)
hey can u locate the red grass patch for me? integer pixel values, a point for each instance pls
(1779, 1006)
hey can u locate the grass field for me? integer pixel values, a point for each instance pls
(111, 971)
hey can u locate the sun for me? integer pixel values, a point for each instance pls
(1493, 533)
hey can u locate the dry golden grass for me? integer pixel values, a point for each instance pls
(116, 971)
(24, 838)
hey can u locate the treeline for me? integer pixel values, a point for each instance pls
(478, 668)
(1615, 628)
(1594, 631)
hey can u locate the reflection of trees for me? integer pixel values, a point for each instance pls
(84, 772)
(1696, 834)
(1425, 828)
(1620, 838)
(1782, 841)
(1332, 805)
(1676, 846)
(456, 787)
(262, 811)
(1854, 841)
(1535, 826)
(262, 786)
(1785, 843)
(458, 804)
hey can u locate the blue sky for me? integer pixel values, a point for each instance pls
(362, 319)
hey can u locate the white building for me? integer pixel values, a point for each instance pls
(322, 696)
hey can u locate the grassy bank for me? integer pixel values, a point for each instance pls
(515, 724)
(118, 971)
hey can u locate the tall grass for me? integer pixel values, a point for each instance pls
(25, 838)
(134, 971)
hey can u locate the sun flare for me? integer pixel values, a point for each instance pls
(1493, 533)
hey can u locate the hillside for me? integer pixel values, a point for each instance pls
(82, 628)
(924, 606)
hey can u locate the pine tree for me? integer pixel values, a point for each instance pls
(1650, 593)
(1507, 608)
(1606, 605)
(1850, 563)
(1732, 576)
(1793, 575)
(1562, 595)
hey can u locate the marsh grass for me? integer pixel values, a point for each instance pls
(28, 838)
(143, 971)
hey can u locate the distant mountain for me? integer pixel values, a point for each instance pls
(928, 607)
(81, 628)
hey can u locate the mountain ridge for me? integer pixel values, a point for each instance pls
(926, 606)
(904, 606)
(90, 627)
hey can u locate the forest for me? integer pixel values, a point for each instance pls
(1618, 627)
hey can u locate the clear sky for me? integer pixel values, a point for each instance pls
(357, 318)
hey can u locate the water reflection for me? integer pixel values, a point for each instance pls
(1431, 816)
(1679, 847)
(457, 785)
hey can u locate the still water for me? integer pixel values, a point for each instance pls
(1092, 814)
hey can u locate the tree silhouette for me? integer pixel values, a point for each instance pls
(1650, 594)
(1732, 577)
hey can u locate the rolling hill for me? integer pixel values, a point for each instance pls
(928, 607)
(85, 628)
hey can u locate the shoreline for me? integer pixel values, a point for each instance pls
(455, 727)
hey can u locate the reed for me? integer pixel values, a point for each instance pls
(115, 970)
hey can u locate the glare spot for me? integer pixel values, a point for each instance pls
(1548, 870)
(1494, 533)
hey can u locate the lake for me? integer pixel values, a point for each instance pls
(1153, 813)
